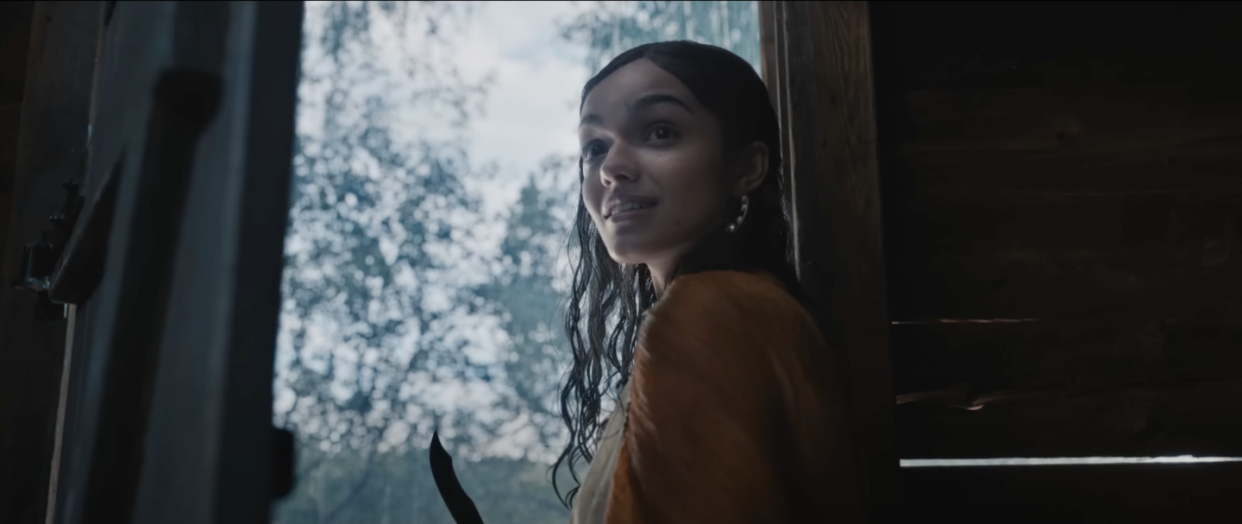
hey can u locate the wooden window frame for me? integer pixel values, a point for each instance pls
(817, 64)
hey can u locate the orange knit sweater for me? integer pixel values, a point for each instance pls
(730, 418)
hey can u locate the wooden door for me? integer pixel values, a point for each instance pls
(173, 265)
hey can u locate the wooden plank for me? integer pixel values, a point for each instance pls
(963, 45)
(830, 117)
(1139, 493)
(15, 22)
(772, 16)
(768, 53)
(62, 405)
(51, 150)
(1087, 227)
(1027, 176)
(789, 159)
(1055, 177)
(1079, 135)
(10, 126)
(1166, 417)
(994, 356)
(1075, 200)
(1001, 256)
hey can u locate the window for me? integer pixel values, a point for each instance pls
(434, 186)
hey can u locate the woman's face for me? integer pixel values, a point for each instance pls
(654, 173)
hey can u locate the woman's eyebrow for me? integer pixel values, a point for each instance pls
(656, 99)
(590, 120)
(642, 103)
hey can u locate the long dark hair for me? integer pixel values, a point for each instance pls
(609, 299)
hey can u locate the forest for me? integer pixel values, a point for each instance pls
(410, 306)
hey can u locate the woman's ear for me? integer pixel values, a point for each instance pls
(752, 168)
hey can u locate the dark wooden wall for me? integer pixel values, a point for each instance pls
(47, 53)
(18, 493)
(14, 42)
(1062, 190)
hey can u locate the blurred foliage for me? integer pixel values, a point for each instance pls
(356, 487)
(609, 28)
(392, 281)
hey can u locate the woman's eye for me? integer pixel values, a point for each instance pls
(661, 133)
(592, 150)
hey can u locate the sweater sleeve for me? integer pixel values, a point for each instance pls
(709, 432)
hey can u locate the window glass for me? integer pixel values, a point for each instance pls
(426, 259)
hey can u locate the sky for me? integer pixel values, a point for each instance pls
(531, 110)
(531, 107)
(529, 113)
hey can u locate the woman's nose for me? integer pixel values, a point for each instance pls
(619, 165)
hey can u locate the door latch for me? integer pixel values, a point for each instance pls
(39, 258)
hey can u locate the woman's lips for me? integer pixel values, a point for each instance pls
(629, 215)
(620, 202)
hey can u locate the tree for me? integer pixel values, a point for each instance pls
(374, 251)
(529, 293)
(385, 283)
(390, 285)
(608, 28)
(377, 282)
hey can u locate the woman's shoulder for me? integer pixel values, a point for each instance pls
(718, 329)
(730, 307)
(738, 291)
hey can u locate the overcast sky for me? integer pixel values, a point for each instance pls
(530, 113)
(531, 108)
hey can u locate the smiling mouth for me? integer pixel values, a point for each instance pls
(627, 208)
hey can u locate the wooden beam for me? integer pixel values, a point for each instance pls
(1075, 199)
(15, 22)
(829, 120)
(1139, 493)
(1057, 177)
(52, 149)
(62, 405)
(1154, 416)
(960, 45)
(15, 19)
(775, 73)
(768, 53)
(996, 354)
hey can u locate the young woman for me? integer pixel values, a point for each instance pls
(686, 306)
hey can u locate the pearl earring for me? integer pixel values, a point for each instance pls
(738, 223)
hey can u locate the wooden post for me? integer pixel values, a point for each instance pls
(825, 97)
(51, 149)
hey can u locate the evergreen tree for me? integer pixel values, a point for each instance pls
(387, 289)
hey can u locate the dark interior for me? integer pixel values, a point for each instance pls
(1068, 176)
